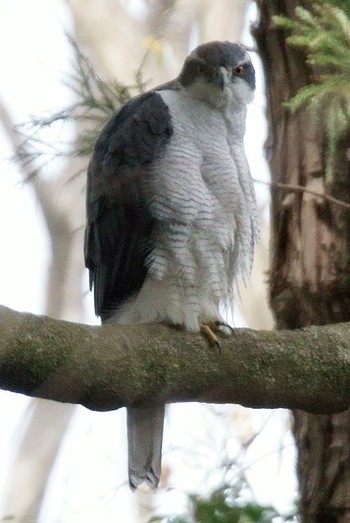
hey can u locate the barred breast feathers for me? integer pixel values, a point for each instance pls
(212, 195)
(205, 219)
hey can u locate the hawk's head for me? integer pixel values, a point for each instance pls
(217, 71)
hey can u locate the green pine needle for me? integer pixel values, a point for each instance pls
(95, 101)
(324, 33)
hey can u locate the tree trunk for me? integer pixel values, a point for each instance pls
(64, 215)
(310, 256)
(37, 452)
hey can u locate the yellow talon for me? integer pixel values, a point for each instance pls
(208, 330)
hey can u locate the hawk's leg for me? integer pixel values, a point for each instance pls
(209, 328)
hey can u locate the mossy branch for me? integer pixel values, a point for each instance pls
(108, 367)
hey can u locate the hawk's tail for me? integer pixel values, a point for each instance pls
(145, 436)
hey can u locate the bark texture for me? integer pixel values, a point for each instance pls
(310, 264)
(113, 366)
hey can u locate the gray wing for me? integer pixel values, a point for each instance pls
(118, 236)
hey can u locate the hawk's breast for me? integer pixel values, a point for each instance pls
(203, 188)
(204, 217)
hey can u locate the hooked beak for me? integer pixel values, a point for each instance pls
(224, 78)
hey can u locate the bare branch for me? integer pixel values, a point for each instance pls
(301, 188)
(105, 368)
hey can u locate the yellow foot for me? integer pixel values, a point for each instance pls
(209, 328)
(207, 331)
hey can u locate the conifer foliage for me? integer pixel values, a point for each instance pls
(323, 32)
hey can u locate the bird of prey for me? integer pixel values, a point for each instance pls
(171, 212)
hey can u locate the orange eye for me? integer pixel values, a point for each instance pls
(239, 70)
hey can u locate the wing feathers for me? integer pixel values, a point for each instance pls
(118, 236)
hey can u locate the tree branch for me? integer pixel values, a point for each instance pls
(108, 367)
(303, 189)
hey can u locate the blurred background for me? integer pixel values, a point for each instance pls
(62, 463)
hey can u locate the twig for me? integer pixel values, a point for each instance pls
(301, 188)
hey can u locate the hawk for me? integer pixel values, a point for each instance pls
(171, 212)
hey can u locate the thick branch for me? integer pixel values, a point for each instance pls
(108, 367)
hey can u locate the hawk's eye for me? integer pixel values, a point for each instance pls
(200, 69)
(239, 70)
